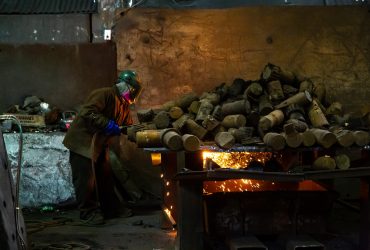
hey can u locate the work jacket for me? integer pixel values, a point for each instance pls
(101, 106)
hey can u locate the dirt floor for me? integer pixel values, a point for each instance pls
(61, 230)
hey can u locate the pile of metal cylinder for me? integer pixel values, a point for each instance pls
(281, 109)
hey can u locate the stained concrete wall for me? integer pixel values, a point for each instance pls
(61, 74)
(177, 51)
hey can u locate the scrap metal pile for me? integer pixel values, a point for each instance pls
(281, 109)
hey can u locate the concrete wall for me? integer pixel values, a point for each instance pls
(177, 51)
(61, 74)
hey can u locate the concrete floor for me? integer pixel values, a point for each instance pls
(144, 231)
(139, 232)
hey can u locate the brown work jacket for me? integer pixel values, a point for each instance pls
(101, 106)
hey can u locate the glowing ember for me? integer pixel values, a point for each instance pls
(236, 160)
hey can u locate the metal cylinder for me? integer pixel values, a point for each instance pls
(275, 91)
(234, 121)
(309, 138)
(301, 98)
(253, 92)
(324, 162)
(345, 137)
(162, 120)
(171, 139)
(145, 115)
(266, 122)
(225, 140)
(210, 123)
(264, 105)
(324, 138)
(149, 138)
(175, 112)
(361, 137)
(190, 142)
(342, 161)
(194, 107)
(298, 125)
(179, 124)
(185, 100)
(213, 98)
(274, 140)
(195, 129)
(292, 138)
(237, 107)
(205, 109)
(316, 115)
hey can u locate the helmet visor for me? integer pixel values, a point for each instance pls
(135, 90)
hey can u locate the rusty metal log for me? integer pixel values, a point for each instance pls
(171, 139)
(185, 100)
(237, 87)
(289, 90)
(274, 140)
(175, 112)
(168, 105)
(295, 111)
(272, 72)
(210, 123)
(132, 130)
(213, 98)
(236, 107)
(323, 137)
(194, 107)
(317, 116)
(253, 92)
(299, 126)
(269, 121)
(190, 142)
(179, 124)
(195, 129)
(324, 162)
(301, 98)
(149, 138)
(342, 161)
(309, 138)
(217, 113)
(361, 137)
(292, 138)
(225, 140)
(264, 105)
(145, 115)
(345, 137)
(234, 121)
(275, 91)
(205, 109)
(162, 120)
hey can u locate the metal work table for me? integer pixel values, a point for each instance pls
(185, 171)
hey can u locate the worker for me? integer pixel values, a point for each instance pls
(100, 120)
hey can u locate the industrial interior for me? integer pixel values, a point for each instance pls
(185, 124)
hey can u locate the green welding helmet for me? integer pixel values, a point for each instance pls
(129, 85)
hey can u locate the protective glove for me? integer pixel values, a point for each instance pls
(112, 128)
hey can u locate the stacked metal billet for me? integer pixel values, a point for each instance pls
(281, 109)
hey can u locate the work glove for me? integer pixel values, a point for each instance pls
(112, 128)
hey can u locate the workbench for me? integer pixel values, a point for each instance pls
(184, 172)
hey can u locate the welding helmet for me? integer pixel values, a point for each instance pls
(129, 86)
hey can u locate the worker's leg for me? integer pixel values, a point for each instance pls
(84, 185)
